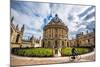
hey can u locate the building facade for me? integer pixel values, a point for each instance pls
(83, 40)
(16, 37)
(55, 35)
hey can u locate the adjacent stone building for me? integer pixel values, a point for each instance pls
(83, 40)
(87, 40)
(16, 37)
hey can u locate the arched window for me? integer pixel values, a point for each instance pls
(17, 39)
(67, 44)
(48, 43)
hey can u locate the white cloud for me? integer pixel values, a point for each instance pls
(34, 14)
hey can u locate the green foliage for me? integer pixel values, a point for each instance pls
(67, 51)
(34, 52)
(82, 50)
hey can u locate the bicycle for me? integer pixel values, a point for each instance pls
(74, 58)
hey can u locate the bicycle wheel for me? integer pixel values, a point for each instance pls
(71, 59)
(77, 58)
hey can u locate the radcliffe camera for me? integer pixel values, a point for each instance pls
(51, 33)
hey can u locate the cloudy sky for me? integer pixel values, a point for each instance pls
(35, 16)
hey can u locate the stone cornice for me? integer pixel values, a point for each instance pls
(56, 26)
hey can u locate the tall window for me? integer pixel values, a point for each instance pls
(48, 43)
(67, 44)
(17, 39)
(55, 32)
(88, 42)
(56, 44)
(78, 42)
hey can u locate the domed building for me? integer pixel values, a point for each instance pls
(55, 35)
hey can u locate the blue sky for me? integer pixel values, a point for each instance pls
(35, 16)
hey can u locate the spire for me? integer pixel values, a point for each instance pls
(22, 29)
(17, 27)
(12, 19)
(32, 38)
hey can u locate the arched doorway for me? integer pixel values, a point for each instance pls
(57, 49)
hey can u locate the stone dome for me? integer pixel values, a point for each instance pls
(56, 22)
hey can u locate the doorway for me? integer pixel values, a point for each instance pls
(56, 49)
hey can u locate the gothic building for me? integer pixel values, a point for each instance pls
(16, 37)
(16, 34)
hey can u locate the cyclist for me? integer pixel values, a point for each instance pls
(74, 53)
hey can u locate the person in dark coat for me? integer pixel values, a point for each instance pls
(74, 53)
